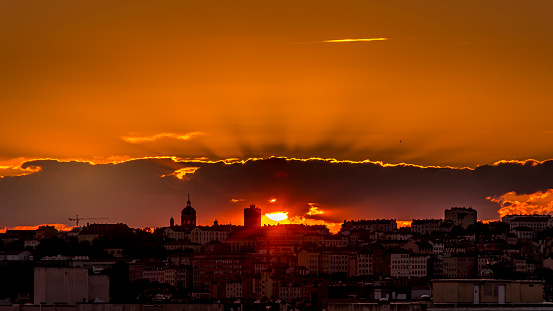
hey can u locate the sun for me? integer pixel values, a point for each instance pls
(278, 216)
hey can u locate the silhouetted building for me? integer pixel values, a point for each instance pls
(105, 229)
(381, 225)
(46, 232)
(188, 216)
(426, 226)
(252, 216)
(461, 216)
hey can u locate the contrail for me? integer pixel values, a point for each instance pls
(355, 40)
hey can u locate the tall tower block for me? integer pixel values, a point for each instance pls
(252, 216)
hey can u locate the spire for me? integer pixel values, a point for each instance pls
(188, 202)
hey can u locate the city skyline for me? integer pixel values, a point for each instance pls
(335, 111)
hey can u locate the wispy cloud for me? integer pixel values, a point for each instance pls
(355, 40)
(151, 138)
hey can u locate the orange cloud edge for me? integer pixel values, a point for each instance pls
(14, 166)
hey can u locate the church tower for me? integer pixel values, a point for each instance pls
(188, 216)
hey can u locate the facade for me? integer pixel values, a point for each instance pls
(178, 275)
(418, 265)
(534, 222)
(426, 226)
(459, 266)
(182, 245)
(203, 235)
(333, 241)
(227, 290)
(334, 262)
(524, 233)
(399, 263)
(136, 271)
(382, 225)
(154, 274)
(309, 259)
(364, 263)
(488, 291)
(85, 236)
(176, 233)
(291, 292)
(242, 239)
(381, 260)
(219, 268)
(68, 285)
(404, 264)
(46, 232)
(18, 256)
(31, 243)
(289, 234)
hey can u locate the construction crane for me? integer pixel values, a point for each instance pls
(77, 218)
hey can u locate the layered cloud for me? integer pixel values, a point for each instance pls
(147, 192)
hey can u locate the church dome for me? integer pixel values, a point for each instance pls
(188, 210)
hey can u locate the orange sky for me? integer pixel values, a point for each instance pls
(457, 82)
(444, 83)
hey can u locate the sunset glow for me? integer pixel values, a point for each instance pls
(403, 223)
(279, 216)
(59, 227)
